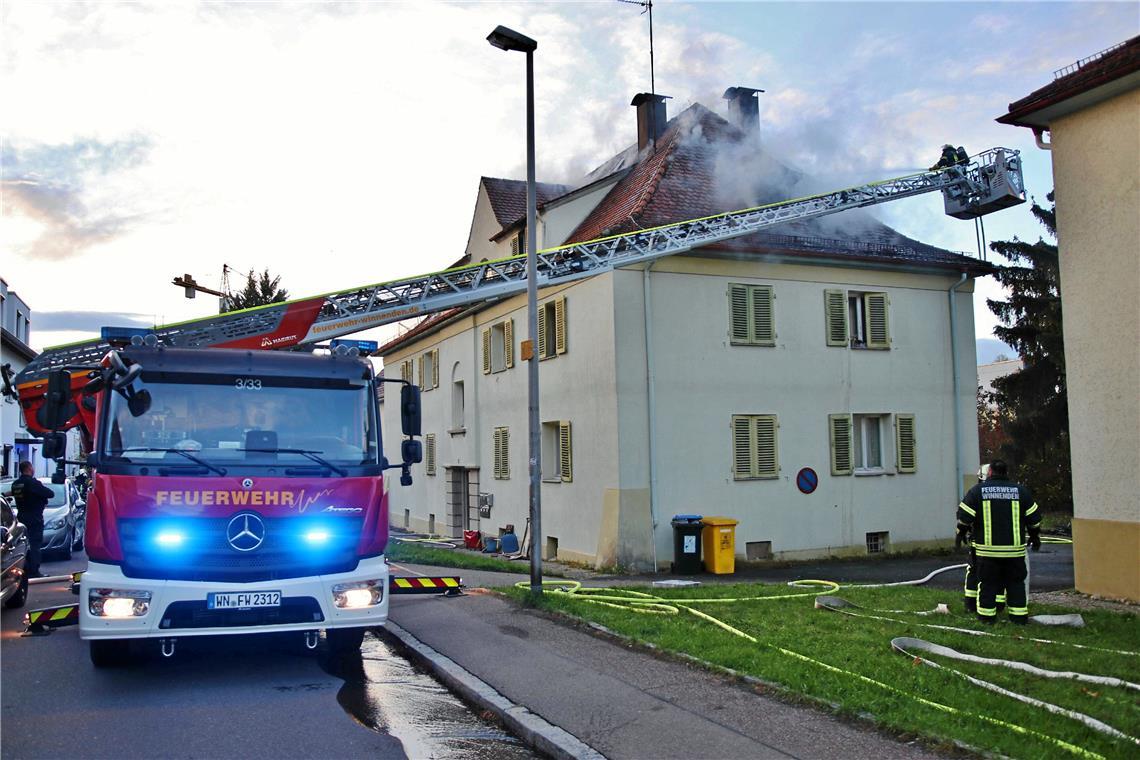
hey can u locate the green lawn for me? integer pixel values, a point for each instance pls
(426, 554)
(841, 648)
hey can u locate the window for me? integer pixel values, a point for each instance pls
(406, 370)
(856, 319)
(429, 370)
(857, 444)
(867, 442)
(457, 406)
(502, 463)
(552, 328)
(754, 454)
(878, 542)
(557, 464)
(518, 243)
(429, 454)
(499, 347)
(750, 315)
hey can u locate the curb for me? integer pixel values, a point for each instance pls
(532, 729)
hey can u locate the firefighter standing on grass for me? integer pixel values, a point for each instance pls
(997, 514)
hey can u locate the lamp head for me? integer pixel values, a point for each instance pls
(508, 39)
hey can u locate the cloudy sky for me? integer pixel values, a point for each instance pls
(341, 143)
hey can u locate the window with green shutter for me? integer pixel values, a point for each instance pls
(754, 447)
(499, 347)
(839, 432)
(905, 449)
(751, 315)
(552, 331)
(557, 458)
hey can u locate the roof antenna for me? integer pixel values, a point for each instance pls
(648, 6)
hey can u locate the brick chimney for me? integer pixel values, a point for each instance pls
(650, 118)
(744, 108)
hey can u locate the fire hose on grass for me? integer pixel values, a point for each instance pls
(646, 603)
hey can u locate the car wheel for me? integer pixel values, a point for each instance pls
(110, 653)
(65, 551)
(17, 600)
(77, 542)
(345, 640)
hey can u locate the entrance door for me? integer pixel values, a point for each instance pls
(462, 500)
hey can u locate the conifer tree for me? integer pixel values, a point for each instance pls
(259, 290)
(1031, 402)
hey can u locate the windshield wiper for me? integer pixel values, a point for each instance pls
(305, 453)
(184, 453)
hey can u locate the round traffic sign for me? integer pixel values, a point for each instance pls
(806, 480)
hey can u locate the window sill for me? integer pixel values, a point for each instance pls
(552, 480)
(870, 472)
(457, 431)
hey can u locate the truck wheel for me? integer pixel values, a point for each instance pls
(17, 599)
(345, 640)
(109, 653)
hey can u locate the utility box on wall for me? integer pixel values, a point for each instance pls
(485, 502)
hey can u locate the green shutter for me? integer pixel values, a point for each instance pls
(541, 331)
(565, 461)
(435, 368)
(835, 317)
(767, 456)
(487, 351)
(741, 447)
(878, 328)
(560, 326)
(763, 323)
(509, 343)
(738, 313)
(839, 427)
(906, 457)
(429, 454)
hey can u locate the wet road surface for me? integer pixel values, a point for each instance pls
(224, 697)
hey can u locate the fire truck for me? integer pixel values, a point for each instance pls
(239, 476)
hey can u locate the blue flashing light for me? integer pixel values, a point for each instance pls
(317, 536)
(170, 539)
(124, 334)
(364, 346)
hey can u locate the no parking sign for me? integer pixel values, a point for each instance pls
(806, 480)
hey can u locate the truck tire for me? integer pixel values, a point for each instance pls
(18, 599)
(345, 640)
(109, 653)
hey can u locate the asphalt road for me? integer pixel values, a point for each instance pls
(223, 697)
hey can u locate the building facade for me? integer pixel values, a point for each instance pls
(820, 390)
(16, 443)
(1091, 111)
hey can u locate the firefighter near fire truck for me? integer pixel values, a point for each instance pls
(995, 516)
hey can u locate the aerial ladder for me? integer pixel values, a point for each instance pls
(987, 182)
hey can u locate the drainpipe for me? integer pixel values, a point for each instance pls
(1038, 133)
(957, 385)
(651, 391)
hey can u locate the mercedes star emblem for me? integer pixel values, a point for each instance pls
(245, 532)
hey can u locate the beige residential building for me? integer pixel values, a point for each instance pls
(1092, 112)
(706, 383)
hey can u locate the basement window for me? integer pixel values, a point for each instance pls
(878, 542)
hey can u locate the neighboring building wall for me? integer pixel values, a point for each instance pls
(15, 441)
(987, 373)
(1098, 229)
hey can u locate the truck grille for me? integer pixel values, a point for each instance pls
(293, 609)
(204, 554)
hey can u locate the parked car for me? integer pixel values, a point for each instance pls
(64, 519)
(13, 554)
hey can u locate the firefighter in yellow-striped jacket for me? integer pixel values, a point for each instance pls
(998, 514)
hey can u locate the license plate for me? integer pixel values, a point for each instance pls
(243, 600)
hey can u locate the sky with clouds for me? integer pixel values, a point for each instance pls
(342, 143)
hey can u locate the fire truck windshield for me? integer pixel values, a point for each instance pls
(247, 421)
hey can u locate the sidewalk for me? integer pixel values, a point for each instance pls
(619, 702)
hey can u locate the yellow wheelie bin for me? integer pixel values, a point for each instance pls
(718, 540)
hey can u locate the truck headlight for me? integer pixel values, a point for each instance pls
(118, 603)
(352, 596)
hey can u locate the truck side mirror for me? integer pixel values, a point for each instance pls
(410, 410)
(57, 406)
(54, 446)
(412, 452)
(59, 477)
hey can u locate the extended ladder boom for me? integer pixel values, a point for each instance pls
(990, 181)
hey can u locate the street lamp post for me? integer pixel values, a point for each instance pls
(508, 39)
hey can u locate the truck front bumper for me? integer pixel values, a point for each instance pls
(179, 608)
